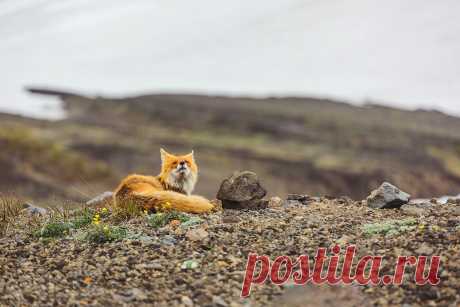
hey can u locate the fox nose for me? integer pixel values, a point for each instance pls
(182, 163)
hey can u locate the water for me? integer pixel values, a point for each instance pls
(402, 53)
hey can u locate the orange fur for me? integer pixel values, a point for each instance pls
(165, 190)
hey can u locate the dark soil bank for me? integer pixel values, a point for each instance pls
(313, 146)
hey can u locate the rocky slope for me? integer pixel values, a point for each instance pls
(202, 263)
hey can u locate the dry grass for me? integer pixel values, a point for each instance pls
(10, 209)
(40, 153)
(126, 210)
(448, 158)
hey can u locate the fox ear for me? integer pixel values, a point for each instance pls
(163, 154)
(191, 155)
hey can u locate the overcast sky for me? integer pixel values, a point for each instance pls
(402, 53)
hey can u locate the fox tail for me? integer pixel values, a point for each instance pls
(173, 200)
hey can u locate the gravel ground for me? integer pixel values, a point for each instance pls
(147, 270)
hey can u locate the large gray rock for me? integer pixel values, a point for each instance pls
(387, 196)
(242, 190)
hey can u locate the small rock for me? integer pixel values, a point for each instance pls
(424, 249)
(292, 203)
(153, 265)
(218, 301)
(130, 295)
(344, 240)
(197, 234)
(455, 211)
(32, 210)
(26, 205)
(427, 292)
(138, 294)
(275, 202)
(452, 223)
(189, 265)
(194, 220)
(100, 199)
(319, 295)
(304, 199)
(387, 196)
(415, 209)
(116, 297)
(231, 219)
(169, 240)
(174, 223)
(242, 191)
(187, 301)
(344, 200)
(217, 204)
(453, 201)
(296, 200)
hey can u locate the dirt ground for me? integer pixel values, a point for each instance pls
(149, 268)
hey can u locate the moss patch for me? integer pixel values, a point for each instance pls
(390, 227)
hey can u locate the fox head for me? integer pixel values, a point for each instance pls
(180, 173)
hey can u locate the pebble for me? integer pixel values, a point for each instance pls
(198, 234)
(218, 301)
(168, 240)
(187, 301)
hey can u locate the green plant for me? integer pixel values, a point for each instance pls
(390, 227)
(104, 233)
(83, 218)
(192, 221)
(54, 229)
(161, 219)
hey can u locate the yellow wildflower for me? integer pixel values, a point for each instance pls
(174, 223)
(87, 280)
(96, 219)
(104, 210)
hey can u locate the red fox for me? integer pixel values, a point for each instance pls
(171, 188)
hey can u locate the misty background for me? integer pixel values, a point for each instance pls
(320, 97)
(399, 53)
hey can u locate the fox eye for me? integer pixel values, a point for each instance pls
(174, 163)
